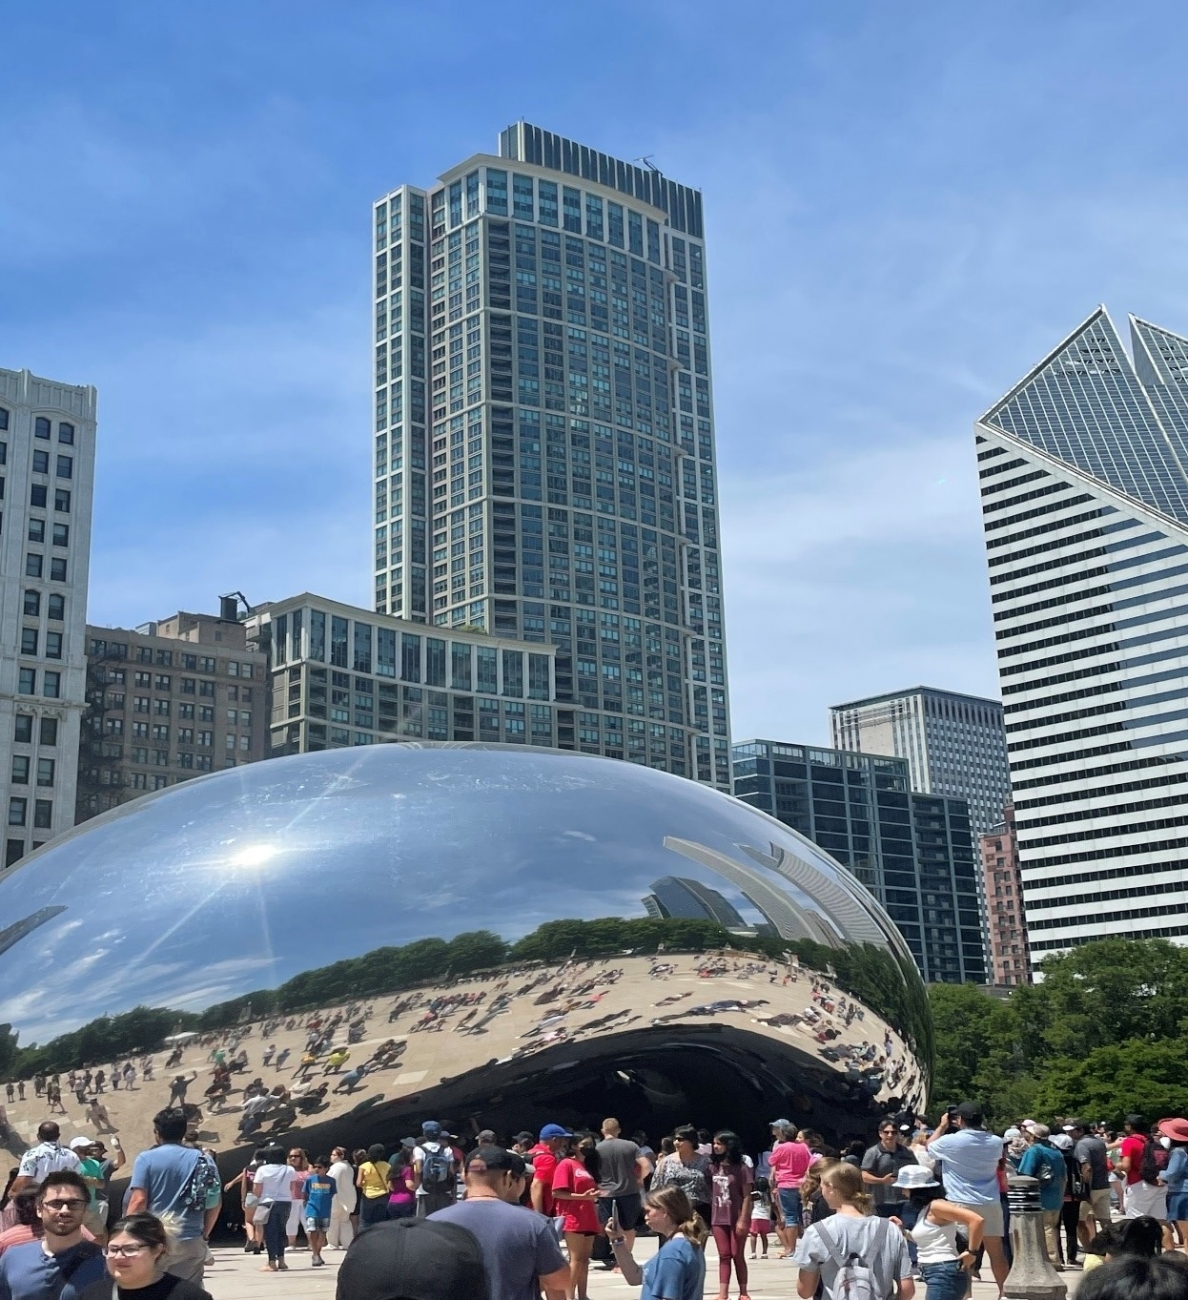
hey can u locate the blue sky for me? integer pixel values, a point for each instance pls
(906, 206)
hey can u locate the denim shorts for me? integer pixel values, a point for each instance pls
(944, 1281)
(314, 1224)
(790, 1205)
(1177, 1206)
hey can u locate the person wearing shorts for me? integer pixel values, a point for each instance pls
(622, 1170)
(789, 1163)
(318, 1191)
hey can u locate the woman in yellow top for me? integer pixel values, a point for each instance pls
(372, 1182)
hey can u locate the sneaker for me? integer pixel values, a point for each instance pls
(282, 1266)
(317, 1262)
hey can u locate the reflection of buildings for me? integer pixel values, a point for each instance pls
(779, 909)
(47, 450)
(678, 896)
(912, 851)
(19, 929)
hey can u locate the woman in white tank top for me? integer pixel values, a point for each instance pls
(944, 1266)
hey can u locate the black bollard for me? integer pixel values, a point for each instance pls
(1032, 1276)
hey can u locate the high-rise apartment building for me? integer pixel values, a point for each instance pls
(343, 676)
(544, 439)
(954, 743)
(167, 701)
(913, 851)
(1007, 954)
(1085, 506)
(47, 460)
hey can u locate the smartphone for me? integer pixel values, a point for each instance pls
(612, 1224)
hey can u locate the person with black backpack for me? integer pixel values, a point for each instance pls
(436, 1173)
(1146, 1192)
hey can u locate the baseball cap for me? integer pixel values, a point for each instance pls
(969, 1111)
(780, 1123)
(431, 1128)
(1073, 1125)
(413, 1259)
(1011, 1134)
(482, 1159)
(554, 1131)
(77, 1144)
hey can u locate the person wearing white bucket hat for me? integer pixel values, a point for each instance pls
(944, 1261)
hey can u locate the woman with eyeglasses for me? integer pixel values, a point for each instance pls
(137, 1253)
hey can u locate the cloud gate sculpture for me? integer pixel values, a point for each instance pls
(501, 936)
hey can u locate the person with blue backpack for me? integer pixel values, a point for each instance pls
(436, 1173)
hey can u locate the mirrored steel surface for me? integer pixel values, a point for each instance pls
(236, 899)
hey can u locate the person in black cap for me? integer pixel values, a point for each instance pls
(413, 1259)
(519, 1248)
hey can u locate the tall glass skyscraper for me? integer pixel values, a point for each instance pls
(544, 441)
(1084, 474)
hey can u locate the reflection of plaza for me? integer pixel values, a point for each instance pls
(452, 1043)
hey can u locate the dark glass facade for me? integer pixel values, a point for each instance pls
(914, 852)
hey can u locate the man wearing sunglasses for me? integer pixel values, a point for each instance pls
(39, 1270)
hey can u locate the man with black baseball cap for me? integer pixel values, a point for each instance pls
(413, 1259)
(519, 1247)
(969, 1159)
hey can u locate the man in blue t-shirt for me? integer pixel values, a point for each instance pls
(1043, 1162)
(63, 1261)
(161, 1184)
(519, 1246)
(970, 1158)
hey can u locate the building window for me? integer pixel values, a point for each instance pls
(65, 467)
(27, 681)
(28, 640)
(14, 850)
(66, 434)
(53, 645)
(33, 565)
(17, 811)
(20, 769)
(51, 684)
(57, 570)
(62, 501)
(43, 814)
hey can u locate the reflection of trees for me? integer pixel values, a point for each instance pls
(888, 986)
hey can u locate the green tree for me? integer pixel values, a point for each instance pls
(1110, 1081)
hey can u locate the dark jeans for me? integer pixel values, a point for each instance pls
(1070, 1214)
(373, 1209)
(274, 1230)
(401, 1209)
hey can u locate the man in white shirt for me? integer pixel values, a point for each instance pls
(47, 1157)
(345, 1197)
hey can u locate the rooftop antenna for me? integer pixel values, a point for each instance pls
(648, 163)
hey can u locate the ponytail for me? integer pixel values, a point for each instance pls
(680, 1210)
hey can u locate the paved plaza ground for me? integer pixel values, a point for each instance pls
(236, 1276)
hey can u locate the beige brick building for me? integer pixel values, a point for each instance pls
(167, 701)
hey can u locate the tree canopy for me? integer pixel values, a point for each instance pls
(1100, 1035)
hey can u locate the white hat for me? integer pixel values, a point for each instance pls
(1062, 1141)
(911, 1178)
(1011, 1134)
(77, 1144)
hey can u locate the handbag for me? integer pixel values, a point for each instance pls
(263, 1211)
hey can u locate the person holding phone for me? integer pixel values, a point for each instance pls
(677, 1270)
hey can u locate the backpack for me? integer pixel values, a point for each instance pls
(203, 1179)
(1148, 1166)
(855, 1280)
(437, 1167)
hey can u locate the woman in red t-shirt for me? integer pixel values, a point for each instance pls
(575, 1190)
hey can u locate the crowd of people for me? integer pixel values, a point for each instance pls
(533, 1215)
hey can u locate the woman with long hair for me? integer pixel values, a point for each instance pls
(371, 1178)
(575, 1191)
(677, 1269)
(402, 1185)
(137, 1254)
(945, 1263)
(298, 1162)
(731, 1179)
(687, 1169)
(243, 1180)
(1174, 1132)
(852, 1230)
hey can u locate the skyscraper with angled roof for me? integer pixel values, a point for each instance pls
(1084, 482)
(544, 442)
